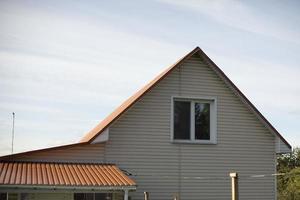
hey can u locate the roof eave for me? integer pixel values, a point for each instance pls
(70, 188)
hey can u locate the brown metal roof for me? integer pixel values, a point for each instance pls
(12, 156)
(63, 174)
(90, 136)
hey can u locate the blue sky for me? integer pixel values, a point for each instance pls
(65, 65)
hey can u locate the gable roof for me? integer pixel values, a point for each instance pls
(96, 131)
(91, 135)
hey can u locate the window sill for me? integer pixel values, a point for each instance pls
(193, 142)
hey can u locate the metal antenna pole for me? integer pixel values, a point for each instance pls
(13, 134)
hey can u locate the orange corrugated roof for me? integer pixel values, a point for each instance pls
(63, 174)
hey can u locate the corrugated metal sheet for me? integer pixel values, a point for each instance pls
(62, 174)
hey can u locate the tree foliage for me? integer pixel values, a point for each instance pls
(288, 181)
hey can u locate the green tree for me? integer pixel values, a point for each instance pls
(288, 181)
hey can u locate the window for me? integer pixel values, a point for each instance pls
(92, 196)
(3, 196)
(12, 196)
(194, 120)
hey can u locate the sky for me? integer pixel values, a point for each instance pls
(65, 65)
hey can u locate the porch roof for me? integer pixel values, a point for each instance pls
(63, 175)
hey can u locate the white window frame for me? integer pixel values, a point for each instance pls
(213, 119)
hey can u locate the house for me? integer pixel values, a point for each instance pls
(179, 136)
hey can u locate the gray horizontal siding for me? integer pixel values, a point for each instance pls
(140, 143)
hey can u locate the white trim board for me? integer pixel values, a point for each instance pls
(103, 137)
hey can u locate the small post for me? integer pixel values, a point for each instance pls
(146, 195)
(234, 186)
(125, 194)
(176, 196)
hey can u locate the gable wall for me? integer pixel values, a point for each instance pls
(140, 143)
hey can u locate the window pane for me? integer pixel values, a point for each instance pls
(24, 196)
(100, 196)
(3, 196)
(83, 196)
(89, 196)
(78, 196)
(202, 121)
(182, 120)
(103, 196)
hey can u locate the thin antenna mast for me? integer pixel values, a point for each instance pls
(13, 134)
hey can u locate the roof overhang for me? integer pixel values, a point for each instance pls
(63, 189)
(72, 177)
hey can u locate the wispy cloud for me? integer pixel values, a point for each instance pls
(237, 14)
(66, 69)
(56, 57)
